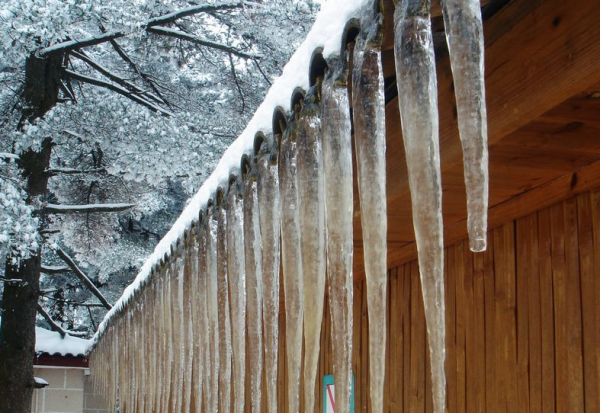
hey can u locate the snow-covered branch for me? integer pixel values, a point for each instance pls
(6, 155)
(78, 209)
(54, 269)
(115, 78)
(145, 77)
(202, 42)
(53, 325)
(120, 90)
(71, 171)
(13, 281)
(157, 21)
(84, 278)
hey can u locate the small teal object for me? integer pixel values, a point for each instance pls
(329, 394)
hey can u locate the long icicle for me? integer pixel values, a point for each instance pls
(464, 35)
(339, 208)
(417, 92)
(293, 282)
(200, 328)
(225, 347)
(213, 309)
(170, 328)
(268, 212)
(312, 224)
(237, 288)
(188, 317)
(368, 103)
(254, 288)
(180, 335)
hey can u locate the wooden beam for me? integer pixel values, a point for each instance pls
(546, 195)
(532, 66)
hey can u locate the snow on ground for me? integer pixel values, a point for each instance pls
(326, 33)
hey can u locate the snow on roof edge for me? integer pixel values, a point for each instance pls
(326, 34)
(53, 343)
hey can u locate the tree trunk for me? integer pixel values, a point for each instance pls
(19, 304)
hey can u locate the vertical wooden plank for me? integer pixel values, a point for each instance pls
(596, 237)
(450, 272)
(591, 323)
(535, 316)
(357, 349)
(560, 302)
(575, 341)
(547, 311)
(473, 386)
(478, 349)
(505, 296)
(406, 326)
(392, 279)
(417, 340)
(491, 401)
(461, 323)
(395, 342)
(523, 249)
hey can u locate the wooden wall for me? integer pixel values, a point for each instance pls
(523, 322)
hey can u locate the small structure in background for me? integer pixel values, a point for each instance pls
(63, 381)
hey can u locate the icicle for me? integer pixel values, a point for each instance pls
(213, 310)
(177, 334)
(188, 317)
(169, 344)
(268, 209)
(152, 332)
(339, 205)
(162, 338)
(417, 92)
(368, 103)
(292, 265)
(225, 348)
(199, 310)
(236, 273)
(140, 355)
(464, 34)
(254, 288)
(312, 227)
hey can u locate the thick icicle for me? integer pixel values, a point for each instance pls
(254, 288)
(213, 310)
(225, 347)
(268, 212)
(339, 208)
(188, 318)
(200, 328)
(417, 92)
(312, 227)
(464, 34)
(179, 333)
(236, 273)
(368, 103)
(291, 256)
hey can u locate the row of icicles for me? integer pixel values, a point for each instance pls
(181, 343)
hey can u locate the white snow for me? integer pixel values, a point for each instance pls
(326, 33)
(7, 155)
(41, 382)
(51, 342)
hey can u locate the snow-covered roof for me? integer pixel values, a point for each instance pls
(325, 36)
(51, 342)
